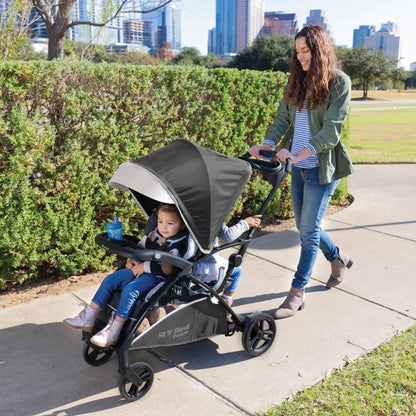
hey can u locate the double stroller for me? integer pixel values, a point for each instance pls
(204, 185)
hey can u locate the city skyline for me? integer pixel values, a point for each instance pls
(198, 17)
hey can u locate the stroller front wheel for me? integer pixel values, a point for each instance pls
(136, 381)
(96, 356)
(259, 333)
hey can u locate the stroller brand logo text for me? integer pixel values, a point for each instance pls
(175, 332)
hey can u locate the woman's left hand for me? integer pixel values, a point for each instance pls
(284, 154)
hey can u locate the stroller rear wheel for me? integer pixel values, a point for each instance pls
(96, 356)
(259, 333)
(136, 381)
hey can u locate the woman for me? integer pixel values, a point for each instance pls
(307, 129)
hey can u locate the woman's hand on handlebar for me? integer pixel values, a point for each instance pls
(284, 154)
(254, 151)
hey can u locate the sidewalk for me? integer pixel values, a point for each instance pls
(42, 370)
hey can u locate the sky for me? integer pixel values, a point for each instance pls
(198, 16)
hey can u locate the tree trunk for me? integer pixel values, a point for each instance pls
(56, 43)
(365, 90)
(56, 27)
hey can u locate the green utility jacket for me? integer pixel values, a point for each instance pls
(326, 123)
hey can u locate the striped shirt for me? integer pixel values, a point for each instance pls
(301, 136)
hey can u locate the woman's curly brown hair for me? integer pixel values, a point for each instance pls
(322, 71)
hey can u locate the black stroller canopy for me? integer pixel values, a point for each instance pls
(203, 184)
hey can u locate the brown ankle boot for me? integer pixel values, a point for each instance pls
(294, 302)
(338, 267)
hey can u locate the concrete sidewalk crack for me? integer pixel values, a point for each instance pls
(368, 227)
(370, 301)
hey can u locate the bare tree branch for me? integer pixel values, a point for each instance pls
(119, 10)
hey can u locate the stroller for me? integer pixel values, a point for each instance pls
(204, 185)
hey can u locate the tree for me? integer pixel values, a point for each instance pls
(137, 58)
(399, 77)
(191, 56)
(365, 67)
(187, 57)
(14, 23)
(165, 52)
(341, 52)
(210, 61)
(56, 16)
(266, 52)
(411, 80)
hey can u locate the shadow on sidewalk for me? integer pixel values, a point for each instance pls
(42, 368)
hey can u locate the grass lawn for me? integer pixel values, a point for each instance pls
(379, 134)
(383, 136)
(385, 95)
(382, 383)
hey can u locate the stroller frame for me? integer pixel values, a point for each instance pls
(202, 311)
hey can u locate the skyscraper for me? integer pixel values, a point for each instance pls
(166, 26)
(361, 33)
(279, 23)
(93, 11)
(391, 27)
(386, 42)
(211, 40)
(249, 22)
(224, 27)
(138, 32)
(317, 17)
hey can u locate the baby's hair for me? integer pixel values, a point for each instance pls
(170, 208)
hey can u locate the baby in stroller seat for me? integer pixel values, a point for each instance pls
(136, 279)
(211, 270)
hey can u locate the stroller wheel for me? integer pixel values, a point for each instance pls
(136, 381)
(259, 333)
(96, 356)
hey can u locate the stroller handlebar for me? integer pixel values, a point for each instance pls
(273, 171)
(271, 154)
(272, 163)
(127, 247)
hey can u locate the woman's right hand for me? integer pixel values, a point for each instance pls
(254, 151)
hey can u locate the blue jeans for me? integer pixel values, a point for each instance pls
(310, 200)
(131, 289)
(234, 279)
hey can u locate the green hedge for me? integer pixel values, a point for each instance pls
(67, 126)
